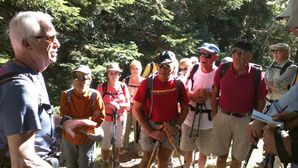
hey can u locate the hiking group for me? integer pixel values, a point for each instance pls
(177, 106)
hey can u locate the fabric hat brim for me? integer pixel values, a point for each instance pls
(115, 69)
(286, 13)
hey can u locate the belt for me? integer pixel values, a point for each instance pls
(238, 115)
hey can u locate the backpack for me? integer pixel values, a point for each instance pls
(192, 72)
(284, 68)
(105, 92)
(93, 97)
(256, 77)
(149, 88)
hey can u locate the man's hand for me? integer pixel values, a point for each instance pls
(69, 125)
(269, 141)
(114, 105)
(290, 119)
(169, 129)
(255, 129)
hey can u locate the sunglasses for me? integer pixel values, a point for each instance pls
(165, 66)
(49, 39)
(114, 73)
(238, 51)
(206, 55)
(81, 78)
(184, 69)
(279, 51)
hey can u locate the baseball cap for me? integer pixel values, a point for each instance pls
(166, 56)
(210, 48)
(83, 68)
(113, 67)
(280, 46)
(290, 12)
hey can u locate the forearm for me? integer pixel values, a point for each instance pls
(214, 102)
(140, 117)
(182, 115)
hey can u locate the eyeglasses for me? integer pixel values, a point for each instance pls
(278, 51)
(184, 69)
(114, 73)
(238, 51)
(206, 55)
(81, 78)
(49, 39)
(165, 66)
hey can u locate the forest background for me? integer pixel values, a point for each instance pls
(96, 32)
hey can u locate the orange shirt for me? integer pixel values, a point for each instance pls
(80, 107)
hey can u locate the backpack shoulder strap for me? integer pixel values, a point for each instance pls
(179, 85)
(224, 68)
(68, 95)
(104, 89)
(127, 80)
(93, 98)
(192, 72)
(148, 94)
(284, 68)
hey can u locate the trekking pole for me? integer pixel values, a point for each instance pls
(172, 142)
(194, 156)
(252, 147)
(114, 138)
(193, 120)
(199, 121)
(153, 154)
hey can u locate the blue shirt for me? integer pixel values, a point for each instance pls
(22, 107)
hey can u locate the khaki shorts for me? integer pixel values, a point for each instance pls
(147, 143)
(203, 141)
(107, 128)
(229, 129)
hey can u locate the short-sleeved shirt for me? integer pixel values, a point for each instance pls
(237, 92)
(165, 99)
(119, 93)
(201, 81)
(82, 106)
(22, 109)
(280, 82)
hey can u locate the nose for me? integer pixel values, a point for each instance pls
(56, 43)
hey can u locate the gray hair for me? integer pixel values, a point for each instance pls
(25, 25)
(137, 64)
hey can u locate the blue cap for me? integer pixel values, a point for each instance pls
(210, 47)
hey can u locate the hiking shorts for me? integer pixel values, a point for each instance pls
(108, 133)
(203, 141)
(147, 143)
(229, 131)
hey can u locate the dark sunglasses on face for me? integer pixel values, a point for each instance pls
(206, 55)
(238, 51)
(114, 73)
(166, 66)
(184, 69)
(278, 51)
(81, 78)
(47, 38)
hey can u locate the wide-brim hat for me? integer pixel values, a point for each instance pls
(114, 67)
(290, 12)
(84, 69)
(280, 46)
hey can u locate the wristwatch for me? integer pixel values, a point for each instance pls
(63, 119)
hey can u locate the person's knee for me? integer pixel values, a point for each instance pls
(222, 158)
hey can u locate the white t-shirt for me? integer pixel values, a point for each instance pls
(201, 80)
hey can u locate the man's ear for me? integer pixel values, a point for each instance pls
(26, 45)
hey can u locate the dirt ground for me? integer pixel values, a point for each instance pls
(132, 160)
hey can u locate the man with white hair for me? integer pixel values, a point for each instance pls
(26, 120)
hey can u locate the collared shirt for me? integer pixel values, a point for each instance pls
(237, 91)
(279, 83)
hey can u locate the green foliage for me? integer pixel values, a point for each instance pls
(96, 32)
